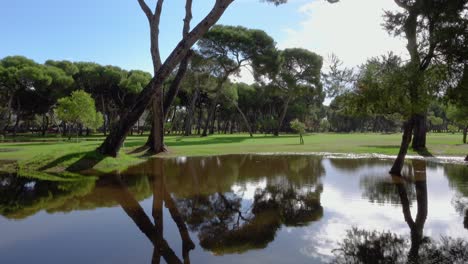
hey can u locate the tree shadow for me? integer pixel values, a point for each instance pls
(425, 153)
(86, 161)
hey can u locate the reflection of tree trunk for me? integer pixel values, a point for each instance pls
(419, 140)
(283, 115)
(416, 226)
(405, 142)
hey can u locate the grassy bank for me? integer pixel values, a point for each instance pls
(54, 156)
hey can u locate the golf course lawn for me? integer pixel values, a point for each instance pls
(52, 154)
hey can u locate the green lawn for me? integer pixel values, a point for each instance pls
(54, 155)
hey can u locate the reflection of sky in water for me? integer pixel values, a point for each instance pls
(108, 235)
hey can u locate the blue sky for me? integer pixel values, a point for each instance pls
(116, 31)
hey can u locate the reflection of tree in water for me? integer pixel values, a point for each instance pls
(361, 246)
(224, 224)
(458, 179)
(21, 197)
(372, 247)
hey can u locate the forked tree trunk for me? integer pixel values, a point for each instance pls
(420, 131)
(114, 141)
(405, 142)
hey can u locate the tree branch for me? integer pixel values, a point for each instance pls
(188, 18)
(146, 9)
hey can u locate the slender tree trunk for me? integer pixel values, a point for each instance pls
(199, 121)
(213, 121)
(191, 110)
(420, 131)
(45, 124)
(405, 142)
(211, 113)
(465, 132)
(283, 115)
(244, 118)
(15, 128)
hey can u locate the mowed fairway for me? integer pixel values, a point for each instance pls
(54, 153)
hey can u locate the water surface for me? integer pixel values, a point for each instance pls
(239, 209)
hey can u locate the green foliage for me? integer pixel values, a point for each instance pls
(79, 108)
(299, 127)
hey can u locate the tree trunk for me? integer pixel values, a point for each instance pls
(466, 159)
(157, 145)
(211, 112)
(170, 96)
(420, 131)
(244, 118)
(283, 115)
(104, 126)
(191, 110)
(405, 142)
(465, 131)
(114, 141)
(45, 124)
(213, 121)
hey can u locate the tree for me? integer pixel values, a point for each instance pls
(79, 110)
(114, 141)
(298, 75)
(232, 48)
(299, 127)
(426, 25)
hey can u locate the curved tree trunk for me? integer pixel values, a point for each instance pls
(405, 142)
(420, 131)
(283, 115)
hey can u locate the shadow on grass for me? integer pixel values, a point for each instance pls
(86, 161)
(194, 141)
(424, 152)
(382, 146)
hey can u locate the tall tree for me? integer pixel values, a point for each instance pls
(421, 22)
(114, 141)
(298, 74)
(233, 48)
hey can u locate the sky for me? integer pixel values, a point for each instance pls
(116, 32)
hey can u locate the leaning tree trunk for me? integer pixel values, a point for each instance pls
(405, 142)
(420, 131)
(283, 115)
(114, 141)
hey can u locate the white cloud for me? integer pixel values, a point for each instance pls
(351, 29)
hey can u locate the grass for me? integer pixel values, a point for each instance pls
(54, 156)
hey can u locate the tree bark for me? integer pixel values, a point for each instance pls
(114, 141)
(420, 131)
(283, 115)
(405, 142)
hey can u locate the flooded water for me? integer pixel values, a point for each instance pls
(240, 209)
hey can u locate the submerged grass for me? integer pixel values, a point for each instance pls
(54, 157)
